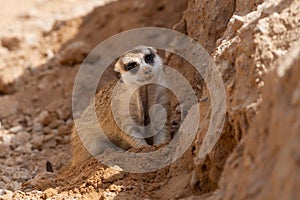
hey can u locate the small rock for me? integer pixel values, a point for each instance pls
(20, 173)
(34, 98)
(50, 144)
(32, 39)
(37, 141)
(44, 83)
(2, 191)
(56, 123)
(7, 138)
(5, 179)
(28, 121)
(37, 127)
(60, 140)
(3, 150)
(50, 192)
(8, 194)
(112, 174)
(16, 186)
(22, 137)
(69, 123)
(8, 106)
(67, 138)
(24, 148)
(115, 188)
(60, 114)
(279, 28)
(11, 43)
(44, 117)
(109, 195)
(6, 87)
(74, 53)
(48, 137)
(67, 112)
(47, 130)
(62, 130)
(10, 161)
(9, 79)
(54, 132)
(16, 129)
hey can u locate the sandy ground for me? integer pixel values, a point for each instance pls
(254, 44)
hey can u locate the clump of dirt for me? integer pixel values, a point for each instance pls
(256, 49)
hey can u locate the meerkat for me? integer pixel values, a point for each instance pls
(134, 70)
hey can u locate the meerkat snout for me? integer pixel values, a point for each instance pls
(147, 70)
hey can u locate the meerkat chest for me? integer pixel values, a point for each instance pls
(136, 104)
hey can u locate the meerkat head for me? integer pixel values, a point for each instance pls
(139, 66)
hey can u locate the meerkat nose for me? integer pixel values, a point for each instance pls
(147, 70)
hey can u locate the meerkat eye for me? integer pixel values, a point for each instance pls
(131, 66)
(149, 58)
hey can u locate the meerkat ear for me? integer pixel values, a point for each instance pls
(118, 75)
(152, 49)
(117, 71)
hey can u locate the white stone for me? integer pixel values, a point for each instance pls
(16, 129)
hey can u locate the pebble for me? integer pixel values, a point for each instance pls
(44, 117)
(48, 137)
(60, 140)
(11, 43)
(25, 148)
(37, 127)
(50, 144)
(7, 138)
(8, 194)
(3, 150)
(5, 179)
(54, 132)
(16, 129)
(50, 192)
(56, 123)
(109, 195)
(16, 186)
(10, 161)
(43, 84)
(37, 141)
(21, 174)
(47, 130)
(2, 191)
(22, 137)
(69, 122)
(59, 114)
(74, 53)
(8, 105)
(62, 130)
(28, 121)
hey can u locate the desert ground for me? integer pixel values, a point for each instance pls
(255, 46)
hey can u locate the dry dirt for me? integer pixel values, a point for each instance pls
(256, 47)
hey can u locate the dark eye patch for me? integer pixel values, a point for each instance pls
(149, 58)
(132, 66)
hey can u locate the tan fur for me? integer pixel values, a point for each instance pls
(139, 105)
